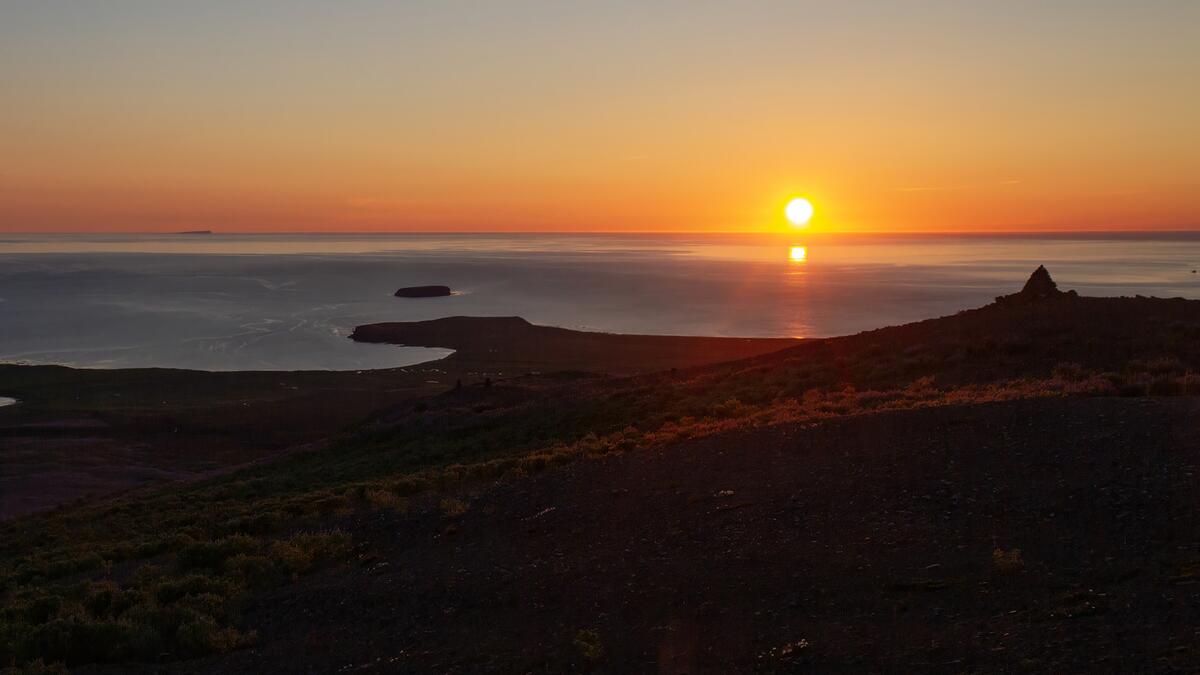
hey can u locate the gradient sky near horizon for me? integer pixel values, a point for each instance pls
(618, 115)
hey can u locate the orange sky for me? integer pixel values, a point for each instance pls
(362, 116)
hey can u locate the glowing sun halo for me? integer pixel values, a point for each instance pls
(799, 211)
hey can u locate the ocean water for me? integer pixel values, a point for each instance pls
(282, 302)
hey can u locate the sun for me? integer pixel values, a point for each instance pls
(799, 211)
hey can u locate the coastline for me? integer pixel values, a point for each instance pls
(198, 421)
(110, 430)
(513, 345)
(286, 302)
(930, 419)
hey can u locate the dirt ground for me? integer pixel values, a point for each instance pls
(1053, 535)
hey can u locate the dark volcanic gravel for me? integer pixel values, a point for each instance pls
(863, 544)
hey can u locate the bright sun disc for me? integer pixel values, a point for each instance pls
(799, 211)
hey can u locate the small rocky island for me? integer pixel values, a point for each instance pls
(423, 292)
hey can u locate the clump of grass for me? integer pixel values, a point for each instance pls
(454, 508)
(213, 554)
(385, 499)
(587, 641)
(203, 635)
(1007, 562)
(39, 667)
(254, 571)
(300, 553)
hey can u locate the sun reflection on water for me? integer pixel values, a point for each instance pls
(799, 254)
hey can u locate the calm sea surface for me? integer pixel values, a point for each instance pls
(234, 302)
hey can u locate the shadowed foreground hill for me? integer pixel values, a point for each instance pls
(80, 432)
(1008, 488)
(1048, 536)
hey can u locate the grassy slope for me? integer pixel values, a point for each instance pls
(863, 543)
(81, 433)
(243, 525)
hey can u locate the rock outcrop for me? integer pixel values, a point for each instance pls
(1040, 288)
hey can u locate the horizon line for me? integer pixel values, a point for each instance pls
(798, 232)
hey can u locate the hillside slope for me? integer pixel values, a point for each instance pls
(1046, 422)
(863, 543)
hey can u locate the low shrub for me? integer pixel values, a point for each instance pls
(213, 554)
(203, 635)
(170, 589)
(454, 507)
(254, 571)
(302, 552)
(385, 499)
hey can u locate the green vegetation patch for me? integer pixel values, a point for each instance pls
(180, 608)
